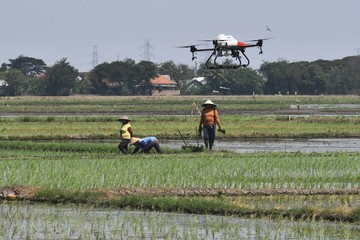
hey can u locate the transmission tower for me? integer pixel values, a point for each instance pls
(94, 56)
(147, 50)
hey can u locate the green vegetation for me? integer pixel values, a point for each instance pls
(70, 172)
(130, 78)
(166, 127)
(73, 158)
(318, 77)
(87, 166)
(148, 105)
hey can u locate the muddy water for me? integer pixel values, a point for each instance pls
(276, 145)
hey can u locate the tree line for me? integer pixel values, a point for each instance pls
(313, 78)
(30, 76)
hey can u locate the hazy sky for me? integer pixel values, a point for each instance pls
(54, 29)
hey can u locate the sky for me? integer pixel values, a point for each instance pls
(111, 30)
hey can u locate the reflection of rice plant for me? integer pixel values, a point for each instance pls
(22, 221)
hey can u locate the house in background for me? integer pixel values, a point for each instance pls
(3, 85)
(194, 85)
(162, 85)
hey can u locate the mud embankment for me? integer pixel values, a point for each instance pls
(22, 192)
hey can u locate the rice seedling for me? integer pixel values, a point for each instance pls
(86, 166)
(167, 127)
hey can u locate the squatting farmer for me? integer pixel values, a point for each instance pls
(145, 144)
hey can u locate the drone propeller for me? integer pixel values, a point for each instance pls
(256, 40)
(205, 40)
(189, 46)
(211, 40)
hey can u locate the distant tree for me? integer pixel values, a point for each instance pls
(276, 77)
(27, 65)
(3, 67)
(232, 81)
(351, 74)
(116, 78)
(242, 81)
(17, 82)
(176, 72)
(318, 77)
(82, 85)
(145, 71)
(60, 79)
(168, 68)
(185, 72)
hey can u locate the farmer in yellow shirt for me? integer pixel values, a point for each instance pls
(126, 134)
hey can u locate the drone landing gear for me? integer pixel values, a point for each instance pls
(213, 64)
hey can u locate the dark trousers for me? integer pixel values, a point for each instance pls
(123, 146)
(209, 136)
(154, 144)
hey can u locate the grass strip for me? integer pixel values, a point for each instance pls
(167, 127)
(198, 205)
(135, 104)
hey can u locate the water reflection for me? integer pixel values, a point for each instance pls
(40, 221)
(277, 145)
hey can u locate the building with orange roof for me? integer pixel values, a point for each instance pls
(162, 85)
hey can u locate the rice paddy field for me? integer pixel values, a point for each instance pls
(59, 155)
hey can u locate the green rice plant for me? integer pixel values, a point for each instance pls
(167, 127)
(87, 166)
(113, 104)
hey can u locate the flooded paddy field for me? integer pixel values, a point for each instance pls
(41, 221)
(275, 145)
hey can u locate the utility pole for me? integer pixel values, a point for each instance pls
(94, 56)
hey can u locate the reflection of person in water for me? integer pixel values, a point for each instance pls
(145, 144)
(209, 119)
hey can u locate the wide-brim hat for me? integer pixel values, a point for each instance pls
(125, 117)
(209, 102)
(134, 140)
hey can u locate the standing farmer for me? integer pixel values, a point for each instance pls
(209, 119)
(126, 134)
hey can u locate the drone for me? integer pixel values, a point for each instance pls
(226, 46)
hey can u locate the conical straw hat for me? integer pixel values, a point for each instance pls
(134, 140)
(208, 102)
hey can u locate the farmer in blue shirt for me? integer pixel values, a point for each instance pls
(145, 144)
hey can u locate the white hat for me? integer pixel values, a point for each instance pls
(125, 117)
(208, 102)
